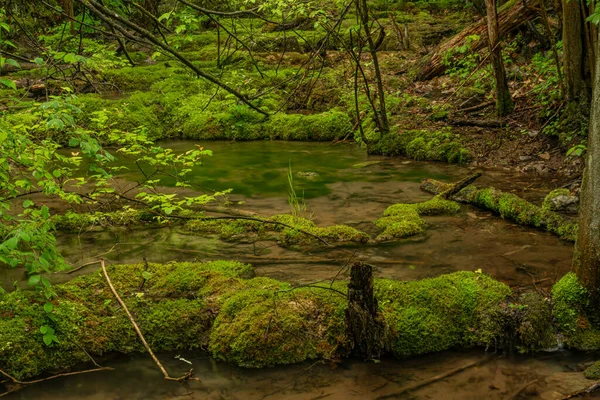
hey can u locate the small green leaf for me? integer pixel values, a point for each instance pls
(48, 307)
(45, 281)
(27, 203)
(9, 83)
(48, 339)
(34, 280)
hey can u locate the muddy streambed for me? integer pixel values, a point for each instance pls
(472, 375)
(341, 185)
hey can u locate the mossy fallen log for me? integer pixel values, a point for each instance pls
(251, 322)
(287, 229)
(511, 207)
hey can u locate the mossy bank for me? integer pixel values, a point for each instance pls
(256, 322)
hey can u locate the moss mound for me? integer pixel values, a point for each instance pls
(572, 316)
(176, 309)
(593, 371)
(441, 313)
(258, 322)
(258, 328)
(404, 220)
(422, 145)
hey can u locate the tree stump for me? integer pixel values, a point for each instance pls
(365, 327)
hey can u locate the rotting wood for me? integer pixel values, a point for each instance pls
(522, 388)
(460, 185)
(511, 16)
(478, 123)
(364, 325)
(18, 385)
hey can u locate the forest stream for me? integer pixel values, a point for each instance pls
(351, 188)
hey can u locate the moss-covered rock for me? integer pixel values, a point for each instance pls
(258, 328)
(535, 328)
(593, 371)
(422, 145)
(404, 220)
(572, 315)
(256, 322)
(441, 313)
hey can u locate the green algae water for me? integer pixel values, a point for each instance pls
(341, 185)
(260, 168)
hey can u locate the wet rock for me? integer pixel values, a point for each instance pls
(308, 174)
(567, 204)
(537, 167)
(564, 383)
(561, 200)
(366, 164)
(544, 156)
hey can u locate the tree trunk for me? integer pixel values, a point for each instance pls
(504, 102)
(381, 114)
(586, 261)
(512, 15)
(365, 328)
(574, 51)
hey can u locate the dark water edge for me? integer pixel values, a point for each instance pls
(489, 376)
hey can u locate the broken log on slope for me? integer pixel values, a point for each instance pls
(510, 16)
(509, 206)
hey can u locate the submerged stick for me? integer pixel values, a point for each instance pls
(185, 377)
(19, 384)
(588, 390)
(429, 381)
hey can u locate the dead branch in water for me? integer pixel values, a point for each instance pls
(18, 385)
(587, 390)
(436, 378)
(460, 185)
(188, 376)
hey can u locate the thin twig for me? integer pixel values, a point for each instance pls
(185, 377)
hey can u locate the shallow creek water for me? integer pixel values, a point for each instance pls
(477, 375)
(338, 190)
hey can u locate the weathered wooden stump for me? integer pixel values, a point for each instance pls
(365, 326)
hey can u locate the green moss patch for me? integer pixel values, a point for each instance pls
(441, 313)
(571, 314)
(422, 145)
(404, 220)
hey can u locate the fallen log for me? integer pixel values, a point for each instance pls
(510, 16)
(509, 206)
(478, 123)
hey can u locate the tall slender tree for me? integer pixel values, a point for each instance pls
(504, 102)
(586, 262)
